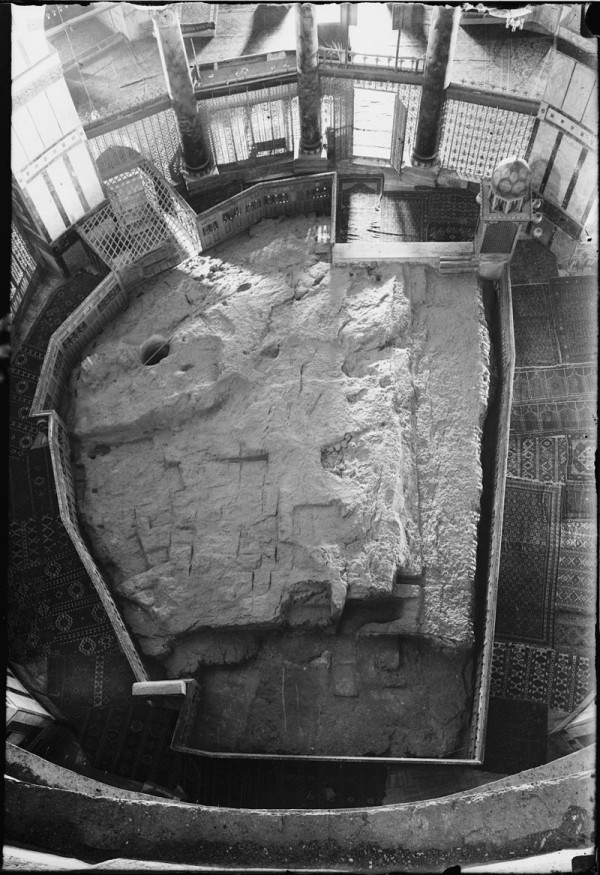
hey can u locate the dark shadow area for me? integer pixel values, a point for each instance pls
(266, 21)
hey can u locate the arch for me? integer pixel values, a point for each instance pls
(113, 158)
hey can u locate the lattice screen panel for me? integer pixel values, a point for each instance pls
(338, 110)
(142, 213)
(155, 137)
(253, 124)
(475, 138)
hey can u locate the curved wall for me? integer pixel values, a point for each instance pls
(549, 808)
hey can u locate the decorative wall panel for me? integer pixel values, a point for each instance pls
(475, 138)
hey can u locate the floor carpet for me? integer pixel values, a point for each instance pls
(516, 735)
(529, 561)
(559, 680)
(535, 341)
(560, 383)
(52, 606)
(65, 299)
(556, 322)
(574, 303)
(538, 458)
(553, 417)
(531, 263)
(77, 682)
(405, 216)
(132, 740)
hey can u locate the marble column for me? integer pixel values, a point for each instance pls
(440, 45)
(309, 89)
(196, 152)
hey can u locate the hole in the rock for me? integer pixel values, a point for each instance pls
(187, 367)
(244, 287)
(154, 349)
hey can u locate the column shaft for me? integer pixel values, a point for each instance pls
(309, 89)
(433, 95)
(196, 153)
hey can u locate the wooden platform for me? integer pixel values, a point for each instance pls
(347, 253)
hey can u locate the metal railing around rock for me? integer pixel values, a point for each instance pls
(268, 200)
(505, 391)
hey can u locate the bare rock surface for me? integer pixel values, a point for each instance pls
(309, 693)
(313, 436)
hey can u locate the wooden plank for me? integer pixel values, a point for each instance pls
(344, 253)
(159, 688)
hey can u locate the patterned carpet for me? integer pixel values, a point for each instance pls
(407, 216)
(546, 622)
(516, 735)
(529, 561)
(556, 322)
(132, 740)
(78, 683)
(538, 458)
(537, 674)
(53, 608)
(532, 263)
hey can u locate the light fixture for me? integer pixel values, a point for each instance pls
(514, 18)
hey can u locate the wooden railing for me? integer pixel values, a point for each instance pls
(266, 200)
(348, 58)
(63, 351)
(505, 390)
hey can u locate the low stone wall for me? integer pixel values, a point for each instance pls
(545, 811)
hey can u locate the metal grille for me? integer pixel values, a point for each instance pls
(155, 137)
(338, 110)
(22, 269)
(141, 215)
(475, 138)
(255, 124)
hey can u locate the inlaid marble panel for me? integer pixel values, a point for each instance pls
(558, 81)
(578, 93)
(564, 167)
(587, 181)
